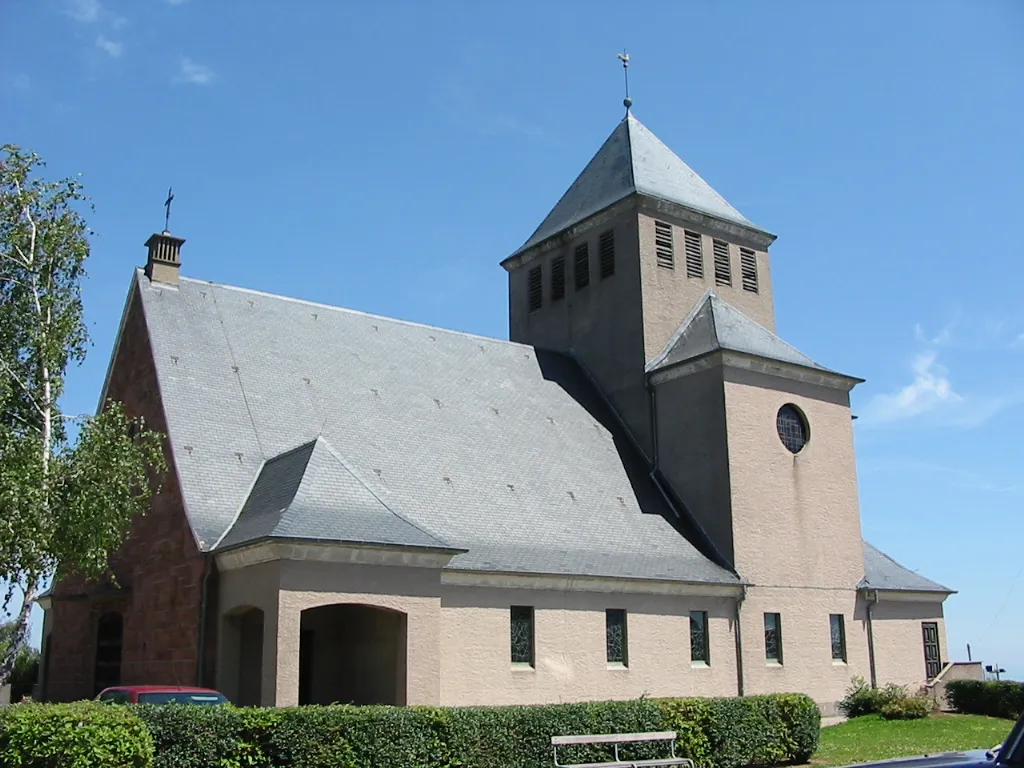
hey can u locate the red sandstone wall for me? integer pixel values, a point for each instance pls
(159, 563)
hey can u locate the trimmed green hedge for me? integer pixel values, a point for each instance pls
(993, 698)
(716, 733)
(84, 735)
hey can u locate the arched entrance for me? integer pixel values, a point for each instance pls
(352, 654)
(109, 639)
(243, 630)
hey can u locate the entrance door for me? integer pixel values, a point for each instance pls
(932, 663)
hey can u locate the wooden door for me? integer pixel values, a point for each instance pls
(932, 655)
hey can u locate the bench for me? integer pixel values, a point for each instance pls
(616, 740)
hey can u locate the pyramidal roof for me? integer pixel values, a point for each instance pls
(632, 159)
(715, 325)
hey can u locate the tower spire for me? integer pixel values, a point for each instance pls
(624, 58)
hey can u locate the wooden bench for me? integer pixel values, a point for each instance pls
(616, 740)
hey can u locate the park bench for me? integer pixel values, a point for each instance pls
(616, 740)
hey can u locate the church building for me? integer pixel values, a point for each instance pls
(644, 492)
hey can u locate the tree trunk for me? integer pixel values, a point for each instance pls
(20, 638)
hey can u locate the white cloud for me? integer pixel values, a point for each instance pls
(194, 73)
(20, 81)
(112, 48)
(930, 389)
(85, 11)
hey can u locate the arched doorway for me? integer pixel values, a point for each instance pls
(352, 654)
(244, 634)
(109, 639)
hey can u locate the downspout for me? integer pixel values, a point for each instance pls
(873, 598)
(204, 592)
(740, 687)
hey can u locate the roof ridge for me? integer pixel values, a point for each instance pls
(754, 322)
(678, 333)
(349, 310)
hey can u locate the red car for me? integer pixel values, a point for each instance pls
(160, 694)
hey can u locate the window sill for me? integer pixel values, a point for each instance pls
(839, 662)
(699, 665)
(522, 666)
(771, 663)
(618, 665)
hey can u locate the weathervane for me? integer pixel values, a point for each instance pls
(167, 207)
(624, 58)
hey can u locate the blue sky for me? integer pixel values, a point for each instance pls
(387, 156)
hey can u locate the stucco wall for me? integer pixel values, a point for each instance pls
(899, 642)
(571, 662)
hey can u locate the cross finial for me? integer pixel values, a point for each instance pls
(167, 208)
(624, 58)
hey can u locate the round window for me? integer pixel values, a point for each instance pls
(792, 427)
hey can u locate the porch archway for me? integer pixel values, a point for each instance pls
(109, 640)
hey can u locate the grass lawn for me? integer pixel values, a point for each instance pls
(871, 738)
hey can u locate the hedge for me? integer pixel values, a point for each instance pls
(991, 697)
(84, 735)
(716, 733)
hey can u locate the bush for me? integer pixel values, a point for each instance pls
(861, 699)
(715, 733)
(995, 698)
(84, 735)
(907, 708)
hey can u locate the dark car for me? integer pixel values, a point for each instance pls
(1009, 754)
(160, 694)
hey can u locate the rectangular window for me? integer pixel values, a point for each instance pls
(522, 634)
(615, 636)
(837, 627)
(748, 269)
(558, 278)
(663, 245)
(723, 270)
(694, 254)
(535, 288)
(700, 647)
(581, 266)
(606, 253)
(773, 637)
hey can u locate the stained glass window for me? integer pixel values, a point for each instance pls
(522, 634)
(792, 428)
(699, 645)
(773, 637)
(838, 629)
(615, 635)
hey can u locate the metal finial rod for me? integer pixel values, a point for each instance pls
(167, 208)
(624, 58)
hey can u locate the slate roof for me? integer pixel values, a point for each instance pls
(714, 325)
(299, 489)
(472, 443)
(882, 572)
(632, 159)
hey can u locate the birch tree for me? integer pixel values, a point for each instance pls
(69, 485)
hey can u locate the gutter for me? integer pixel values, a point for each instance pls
(740, 687)
(871, 639)
(203, 601)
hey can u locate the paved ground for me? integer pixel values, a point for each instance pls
(827, 721)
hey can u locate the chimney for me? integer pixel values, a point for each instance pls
(164, 258)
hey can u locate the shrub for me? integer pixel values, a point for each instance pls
(83, 735)
(861, 699)
(995, 698)
(715, 733)
(907, 708)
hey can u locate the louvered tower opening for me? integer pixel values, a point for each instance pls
(536, 288)
(663, 245)
(606, 253)
(748, 269)
(581, 266)
(694, 255)
(723, 270)
(558, 278)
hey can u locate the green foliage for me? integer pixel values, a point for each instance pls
(85, 735)
(716, 733)
(906, 708)
(26, 664)
(995, 698)
(67, 503)
(861, 699)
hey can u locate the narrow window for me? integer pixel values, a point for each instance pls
(694, 255)
(558, 278)
(535, 288)
(109, 635)
(700, 648)
(522, 634)
(748, 269)
(615, 636)
(581, 274)
(723, 272)
(773, 637)
(663, 245)
(837, 626)
(606, 253)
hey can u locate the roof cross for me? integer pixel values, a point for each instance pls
(167, 207)
(624, 58)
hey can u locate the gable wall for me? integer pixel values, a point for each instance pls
(159, 563)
